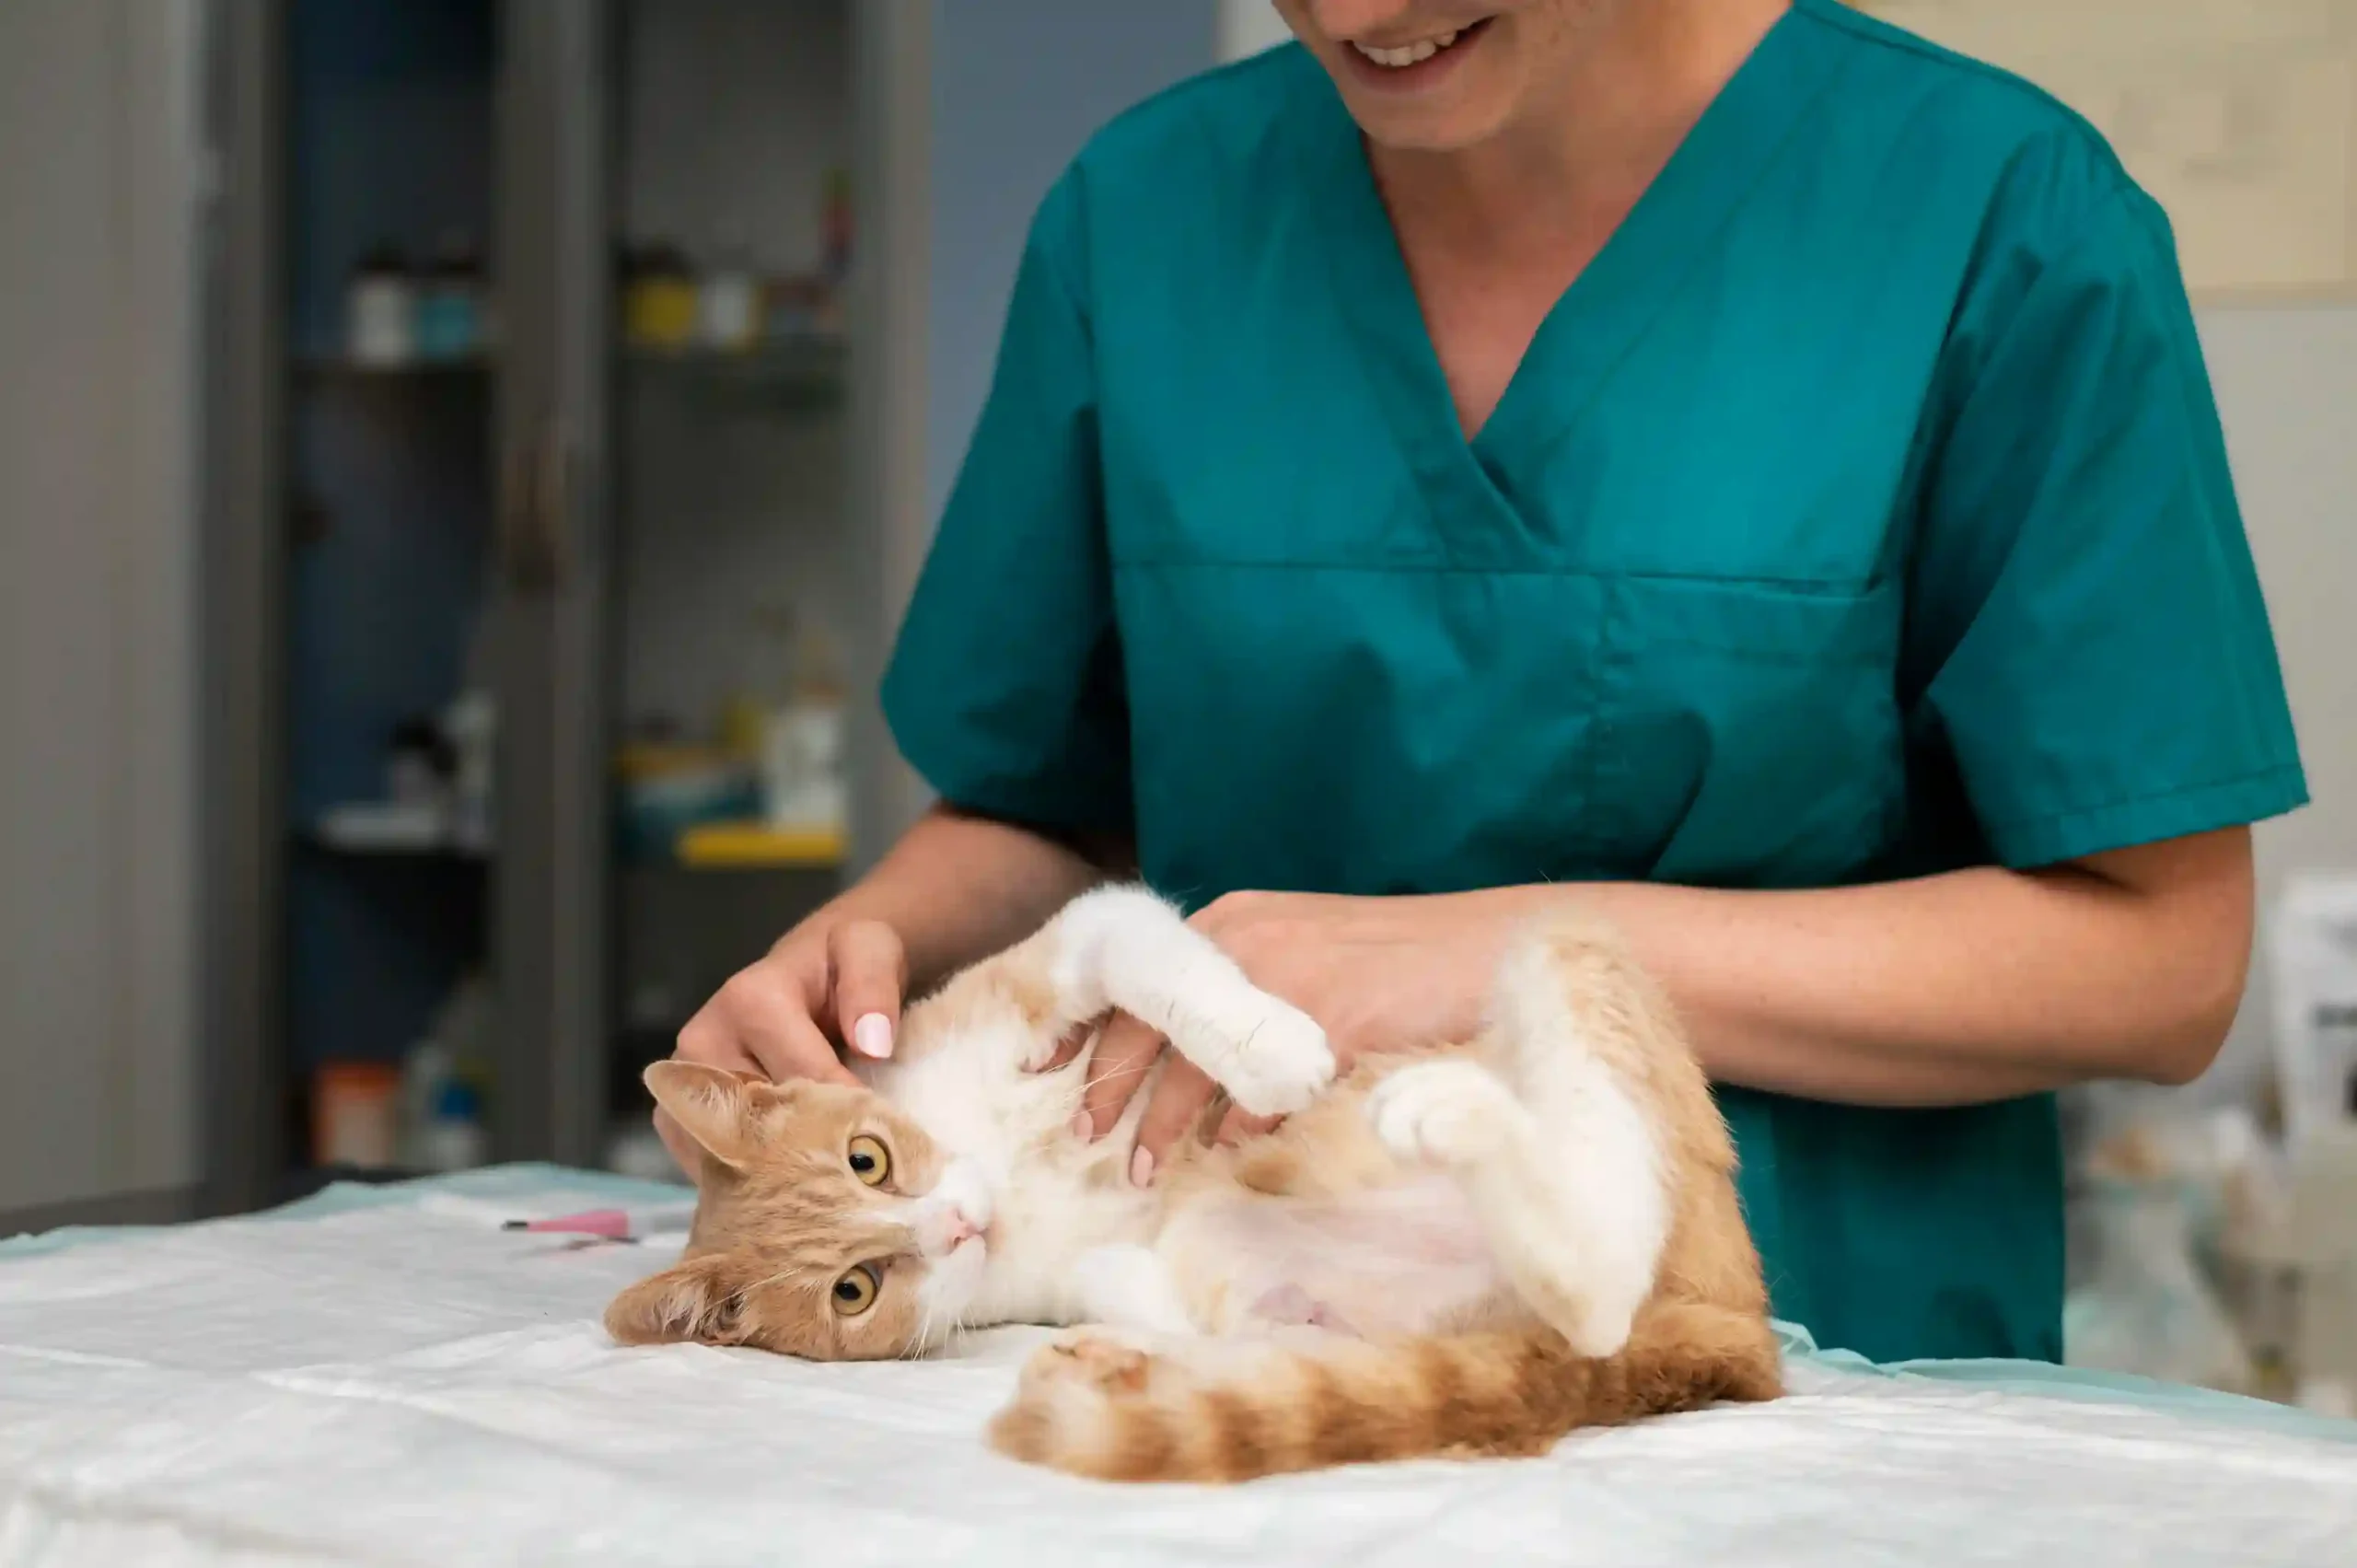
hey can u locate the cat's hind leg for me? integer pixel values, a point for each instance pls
(1562, 1248)
(1556, 1143)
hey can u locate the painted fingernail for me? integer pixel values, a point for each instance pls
(1082, 1127)
(872, 1036)
(1142, 1169)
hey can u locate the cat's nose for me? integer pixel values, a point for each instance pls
(951, 1228)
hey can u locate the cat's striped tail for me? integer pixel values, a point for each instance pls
(1226, 1410)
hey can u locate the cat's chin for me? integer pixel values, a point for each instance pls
(951, 1289)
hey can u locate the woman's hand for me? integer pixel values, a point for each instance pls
(1378, 973)
(828, 983)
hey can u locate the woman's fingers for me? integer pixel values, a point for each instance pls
(870, 971)
(1124, 1052)
(787, 1045)
(1075, 1039)
(1179, 1099)
(1238, 1124)
(759, 1022)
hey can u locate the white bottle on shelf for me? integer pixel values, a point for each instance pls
(802, 745)
(730, 308)
(382, 325)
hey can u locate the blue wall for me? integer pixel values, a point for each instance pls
(1018, 87)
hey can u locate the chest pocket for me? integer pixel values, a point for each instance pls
(1747, 734)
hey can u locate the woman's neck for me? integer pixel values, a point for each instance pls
(1640, 77)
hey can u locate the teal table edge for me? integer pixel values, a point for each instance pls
(539, 1183)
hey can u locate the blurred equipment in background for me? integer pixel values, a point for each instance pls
(2223, 1241)
(2313, 949)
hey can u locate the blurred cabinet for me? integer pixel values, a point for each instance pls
(551, 400)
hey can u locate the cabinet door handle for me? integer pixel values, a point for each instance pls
(535, 489)
(514, 503)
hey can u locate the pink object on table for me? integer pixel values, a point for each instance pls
(613, 1223)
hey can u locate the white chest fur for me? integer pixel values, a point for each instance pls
(1055, 1195)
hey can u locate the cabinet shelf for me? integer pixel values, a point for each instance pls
(792, 374)
(370, 832)
(756, 846)
(342, 370)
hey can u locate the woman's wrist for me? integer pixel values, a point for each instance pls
(956, 889)
(1969, 986)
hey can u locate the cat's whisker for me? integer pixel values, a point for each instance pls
(1108, 1075)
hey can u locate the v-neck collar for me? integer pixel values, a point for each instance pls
(1595, 323)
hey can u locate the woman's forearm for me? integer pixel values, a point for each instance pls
(1972, 986)
(957, 887)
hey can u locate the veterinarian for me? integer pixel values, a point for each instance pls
(1722, 463)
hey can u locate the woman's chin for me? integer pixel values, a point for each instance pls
(1449, 118)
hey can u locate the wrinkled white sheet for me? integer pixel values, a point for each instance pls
(407, 1384)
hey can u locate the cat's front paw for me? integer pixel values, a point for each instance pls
(1275, 1066)
(1040, 1051)
(1449, 1113)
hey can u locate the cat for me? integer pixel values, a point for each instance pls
(1467, 1249)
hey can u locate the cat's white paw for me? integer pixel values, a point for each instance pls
(1274, 1066)
(1037, 1049)
(1447, 1113)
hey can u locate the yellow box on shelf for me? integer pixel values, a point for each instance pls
(757, 846)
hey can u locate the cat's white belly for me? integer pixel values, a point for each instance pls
(1404, 1258)
(1399, 1260)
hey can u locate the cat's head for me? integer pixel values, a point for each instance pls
(828, 1225)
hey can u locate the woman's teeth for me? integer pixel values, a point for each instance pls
(1407, 55)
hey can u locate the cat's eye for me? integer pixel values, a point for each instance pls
(856, 1292)
(869, 1161)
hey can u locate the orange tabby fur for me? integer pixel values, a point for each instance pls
(1507, 1383)
(1236, 1397)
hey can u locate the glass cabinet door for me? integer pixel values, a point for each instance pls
(733, 559)
(390, 337)
(677, 572)
(540, 476)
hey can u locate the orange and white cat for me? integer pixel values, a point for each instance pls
(1472, 1250)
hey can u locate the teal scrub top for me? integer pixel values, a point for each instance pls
(1861, 512)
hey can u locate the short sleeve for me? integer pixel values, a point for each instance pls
(1004, 688)
(2085, 626)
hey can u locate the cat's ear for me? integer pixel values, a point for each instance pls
(690, 1301)
(713, 1106)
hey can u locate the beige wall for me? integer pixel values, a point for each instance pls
(2287, 387)
(97, 571)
